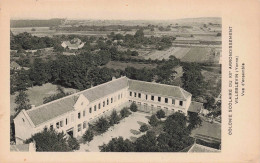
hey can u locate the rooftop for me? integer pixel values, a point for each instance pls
(201, 148)
(160, 89)
(195, 107)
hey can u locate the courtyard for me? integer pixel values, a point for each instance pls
(128, 128)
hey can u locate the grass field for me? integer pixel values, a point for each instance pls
(37, 93)
(121, 65)
(197, 55)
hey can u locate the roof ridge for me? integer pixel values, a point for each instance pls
(74, 94)
(157, 83)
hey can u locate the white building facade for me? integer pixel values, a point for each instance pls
(73, 113)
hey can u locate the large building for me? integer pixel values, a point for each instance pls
(73, 113)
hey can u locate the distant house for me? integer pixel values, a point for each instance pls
(15, 66)
(75, 44)
(31, 147)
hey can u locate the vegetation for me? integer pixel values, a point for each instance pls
(101, 125)
(133, 107)
(125, 112)
(160, 114)
(143, 128)
(61, 93)
(88, 136)
(114, 118)
(52, 141)
(118, 145)
(194, 120)
(22, 101)
(153, 120)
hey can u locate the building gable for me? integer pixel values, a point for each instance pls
(81, 103)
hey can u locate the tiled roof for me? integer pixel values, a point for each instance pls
(105, 89)
(61, 106)
(195, 107)
(201, 148)
(160, 89)
(19, 148)
(51, 110)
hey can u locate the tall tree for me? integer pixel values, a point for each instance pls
(22, 101)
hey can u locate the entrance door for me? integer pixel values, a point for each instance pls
(70, 132)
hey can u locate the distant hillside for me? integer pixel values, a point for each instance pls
(36, 23)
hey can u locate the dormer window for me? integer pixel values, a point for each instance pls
(23, 120)
(82, 103)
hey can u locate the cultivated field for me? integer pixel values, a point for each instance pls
(37, 93)
(122, 65)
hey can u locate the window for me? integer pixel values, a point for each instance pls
(90, 110)
(72, 117)
(66, 121)
(166, 100)
(79, 115)
(99, 106)
(173, 101)
(135, 94)
(95, 108)
(139, 103)
(104, 103)
(51, 127)
(159, 99)
(159, 107)
(84, 113)
(145, 104)
(130, 100)
(139, 95)
(118, 97)
(58, 125)
(152, 106)
(111, 100)
(61, 123)
(107, 101)
(121, 95)
(166, 108)
(130, 93)
(152, 98)
(181, 103)
(84, 124)
(23, 120)
(146, 97)
(79, 127)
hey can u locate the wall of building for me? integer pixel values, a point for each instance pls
(23, 128)
(159, 104)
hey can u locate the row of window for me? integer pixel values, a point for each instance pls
(152, 106)
(107, 102)
(166, 100)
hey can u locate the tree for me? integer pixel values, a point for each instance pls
(146, 143)
(125, 112)
(50, 141)
(118, 145)
(160, 114)
(101, 125)
(218, 34)
(153, 121)
(143, 128)
(22, 101)
(88, 136)
(194, 120)
(73, 143)
(133, 107)
(114, 118)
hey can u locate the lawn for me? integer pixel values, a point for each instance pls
(208, 129)
(197, 55)
(37, 93)
(128, 128)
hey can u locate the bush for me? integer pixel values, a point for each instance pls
(114, 118)
(160, 114)
(153, 121)
(73, 143)
(143, 128)
(88, 136)
(101, 125)
(125, 112)
(133, 107)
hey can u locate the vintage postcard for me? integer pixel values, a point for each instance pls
(130, 81)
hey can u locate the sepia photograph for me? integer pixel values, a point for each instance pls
(100, 85)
